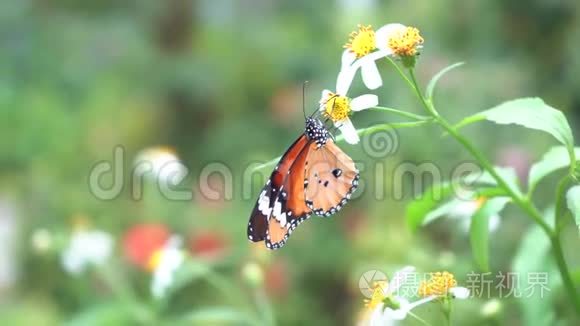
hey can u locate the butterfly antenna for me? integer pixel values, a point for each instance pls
(333, 106)
(303, 98)
(333, 97)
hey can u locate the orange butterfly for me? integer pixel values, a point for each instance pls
(313, 176)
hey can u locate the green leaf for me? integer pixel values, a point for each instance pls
(491, 192)
(419, 208)
(190, 271)
(435, 79)
(531, 113)
(533, 256)
(573, 201)
(107, 313)
(508, 174)
(442, 210)
(479, 231)
(215, 314)
(554, 159)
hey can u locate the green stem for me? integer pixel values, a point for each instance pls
(402, 113)
(264, 307)
(125, 294)
(421, 320)
(564, 272)
(559, 216)
(401, 73)
(446, 306)
(481, 159)
(523, 202)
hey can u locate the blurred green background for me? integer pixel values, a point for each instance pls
(221, 81)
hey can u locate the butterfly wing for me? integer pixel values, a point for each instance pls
(281, 204)
(331, 178)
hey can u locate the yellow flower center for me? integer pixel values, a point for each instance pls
(154, 260)
(480, 201)
(378, 296)
(438, 285)
(337, 107)
(404, 43)
(362, 42)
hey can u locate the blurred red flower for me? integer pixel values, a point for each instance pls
(209, 245)
(355, 224)
(276, 279)
(142, 240)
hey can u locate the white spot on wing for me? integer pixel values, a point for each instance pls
(264, 204)
(278, 214)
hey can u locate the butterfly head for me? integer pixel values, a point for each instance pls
(316, 131)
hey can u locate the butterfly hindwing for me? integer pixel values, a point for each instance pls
(258, 224)
(331, 178)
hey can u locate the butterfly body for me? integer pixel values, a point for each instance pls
(314, 176)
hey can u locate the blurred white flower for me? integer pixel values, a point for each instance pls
(164, 263)
(9, 229)
(462, 209)
(337, 106)
(387, 306)
(366, 46)
(459, 292)
(160, 163)
(85, 248)
(491, 308)
(41, 240)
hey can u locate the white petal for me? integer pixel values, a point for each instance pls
(364, 102)
(371, 76)
(494, 222)
(417, 303)
(348, 57)
(465, 209)
(399, 279)
(323, 98)
(459, 292)
(344, 80)
(383, 34)
(371, 58)
(376, 317)
(348, 131)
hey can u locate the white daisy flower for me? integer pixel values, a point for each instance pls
(442, 284)
(337, 106)
(387, 306)
(366, 46)
(164, 263)
(463, 207)
(85, 248)
(463, 211)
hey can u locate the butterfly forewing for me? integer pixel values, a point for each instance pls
(281, 204)
(314, 175)
(331, 178)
